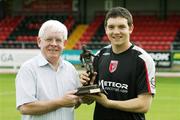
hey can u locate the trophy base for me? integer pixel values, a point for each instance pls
(90, 89)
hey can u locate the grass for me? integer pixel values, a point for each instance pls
(7, 98)
(165, 106)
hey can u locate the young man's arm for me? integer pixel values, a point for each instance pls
(140, 104)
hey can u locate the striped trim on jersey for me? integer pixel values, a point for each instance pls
(150, 68)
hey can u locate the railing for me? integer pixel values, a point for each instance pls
(18, 45)
(91, 45)
(175, 46)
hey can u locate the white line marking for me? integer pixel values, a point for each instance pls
(7, 93)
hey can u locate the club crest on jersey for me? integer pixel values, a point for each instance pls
(113, 65)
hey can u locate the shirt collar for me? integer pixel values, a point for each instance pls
(42, 60)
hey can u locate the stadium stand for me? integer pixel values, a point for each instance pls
(150, 32)
(75, 36)
(24, 34)
(154, 34)
(7, 26)
(90, 31)
(157, 28)
(154, 30)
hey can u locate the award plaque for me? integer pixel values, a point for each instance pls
(86, 58)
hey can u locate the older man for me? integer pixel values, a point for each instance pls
(45, 84)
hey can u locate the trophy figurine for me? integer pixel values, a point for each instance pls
(86, 58)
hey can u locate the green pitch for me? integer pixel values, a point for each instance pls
(165, 106)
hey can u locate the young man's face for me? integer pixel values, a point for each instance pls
(51, 44)
(118, 31)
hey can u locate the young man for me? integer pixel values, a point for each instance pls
(45, 84)
(125, 71)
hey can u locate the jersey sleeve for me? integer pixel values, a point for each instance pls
(145, 75)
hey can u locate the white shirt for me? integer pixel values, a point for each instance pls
(36, 80)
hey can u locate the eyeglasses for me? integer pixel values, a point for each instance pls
(58, 41)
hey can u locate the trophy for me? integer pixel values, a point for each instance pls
(86, 58)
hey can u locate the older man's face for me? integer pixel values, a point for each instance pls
(51, 44)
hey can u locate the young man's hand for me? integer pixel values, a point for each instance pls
(85, 79)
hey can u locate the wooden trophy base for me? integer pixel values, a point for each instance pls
(90, 89)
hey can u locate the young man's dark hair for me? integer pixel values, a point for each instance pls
(119, 12)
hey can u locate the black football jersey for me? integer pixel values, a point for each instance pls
(123, 76)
